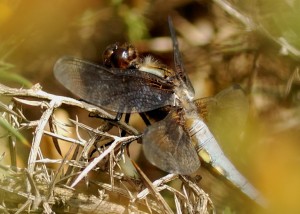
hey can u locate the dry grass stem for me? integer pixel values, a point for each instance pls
(46, 183)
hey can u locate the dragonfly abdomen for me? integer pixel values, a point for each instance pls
(216, 158)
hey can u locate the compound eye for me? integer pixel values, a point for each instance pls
(108, 54)
(120, 56)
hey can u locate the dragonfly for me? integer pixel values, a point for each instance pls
(127, 83)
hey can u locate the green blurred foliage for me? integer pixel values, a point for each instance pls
(133, 16)
(281, 19)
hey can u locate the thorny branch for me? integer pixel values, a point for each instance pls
(38, 187)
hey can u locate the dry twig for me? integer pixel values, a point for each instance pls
(38, 187)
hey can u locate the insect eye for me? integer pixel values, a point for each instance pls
(120, 56)
(107, 54)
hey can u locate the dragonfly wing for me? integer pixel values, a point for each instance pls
(226, 113)
(168, 146)
(179, 68)
(115, 89)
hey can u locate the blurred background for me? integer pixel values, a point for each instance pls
(254, 43)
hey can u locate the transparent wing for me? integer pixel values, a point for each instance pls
(115, 89)
(179, 68)
(168, 146)
(226, 113)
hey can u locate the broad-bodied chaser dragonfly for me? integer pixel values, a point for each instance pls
(127, 83)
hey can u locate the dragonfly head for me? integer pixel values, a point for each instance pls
(120, 56)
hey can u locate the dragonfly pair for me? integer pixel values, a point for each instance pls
(128, 84)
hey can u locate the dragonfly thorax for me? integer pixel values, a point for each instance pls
(185, 97)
